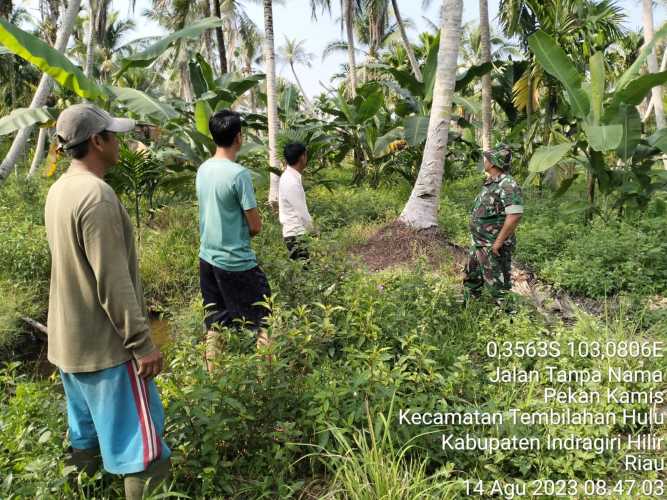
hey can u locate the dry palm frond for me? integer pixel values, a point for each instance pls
(520, 90)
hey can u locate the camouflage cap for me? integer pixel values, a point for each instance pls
(500, 156)
(80, 122)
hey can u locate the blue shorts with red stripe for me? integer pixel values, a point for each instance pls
(118, 411)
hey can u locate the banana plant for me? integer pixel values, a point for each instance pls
(150, 54)
(26, 117)
(607, 120)
(357, 123)
(69, 76)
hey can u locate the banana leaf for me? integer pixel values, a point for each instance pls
(203, 113)
(24, 117)
(546, 157)
(416, 129)
(636, 90)
(603, 137)
(48, 60)
(381, 147)
(555, 62)
(370, 106)
(597, 86)
(633, 70)
(627, 116)
(659, 140)
(470, 74)
(146, 57)
(144, 105)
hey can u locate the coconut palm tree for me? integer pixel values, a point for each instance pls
(349, 11)
(408, 46)
(97, 24)
(20, 77)
(484, 29)
(250, 52)
(43, 90)
(219, 35)
(293, 52)
(421, 210)
(652, 62)
(271, 100)
(347, 8)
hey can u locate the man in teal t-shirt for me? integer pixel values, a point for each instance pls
(231, 281)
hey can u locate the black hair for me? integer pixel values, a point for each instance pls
(81, 150)
(293, 151)
(224, 126)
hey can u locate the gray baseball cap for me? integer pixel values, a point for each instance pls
(80, 122)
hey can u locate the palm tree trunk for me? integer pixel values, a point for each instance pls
(222, 51)
(652, 62)
(529, 102)
(421, 210)
(309, 104)
(406, 42)
(663, 66)
(253, 100)
(485, 37)
(186, 92)
(42, 92)
(40, 151)
(271, 100)
(349, 20)
(208, 39)
(90, 42)
(12, 81)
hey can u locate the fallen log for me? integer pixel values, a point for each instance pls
(36, 325)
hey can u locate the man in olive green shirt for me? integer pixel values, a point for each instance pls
(99, 336)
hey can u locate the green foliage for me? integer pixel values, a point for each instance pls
(370, 465)
(25, 262)
(349, 348)
(547, 156)
(24, 255)
(19, 299)
(47, 59)
(137, 175)
(601, 260)
(169, 256)
(24, 117)
(147, 56)
(554, 60)
(618, 128)
(143, 105)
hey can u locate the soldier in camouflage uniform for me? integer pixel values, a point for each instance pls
(495, 215)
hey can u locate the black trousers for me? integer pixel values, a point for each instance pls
(233, 295)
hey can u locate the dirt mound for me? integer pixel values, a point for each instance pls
(397, 244)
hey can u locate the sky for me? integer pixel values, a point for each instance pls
(293, 20)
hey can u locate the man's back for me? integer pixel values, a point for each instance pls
(96, 307)
(292, 206)
(224, 193)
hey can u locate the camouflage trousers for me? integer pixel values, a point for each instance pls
(486, 269)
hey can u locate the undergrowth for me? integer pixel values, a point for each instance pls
(351, 349)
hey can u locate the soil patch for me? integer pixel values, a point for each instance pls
(396, 244)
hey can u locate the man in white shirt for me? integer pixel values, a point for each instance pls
(292, 207)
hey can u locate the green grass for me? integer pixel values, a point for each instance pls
(609, 256)
(351, 349)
